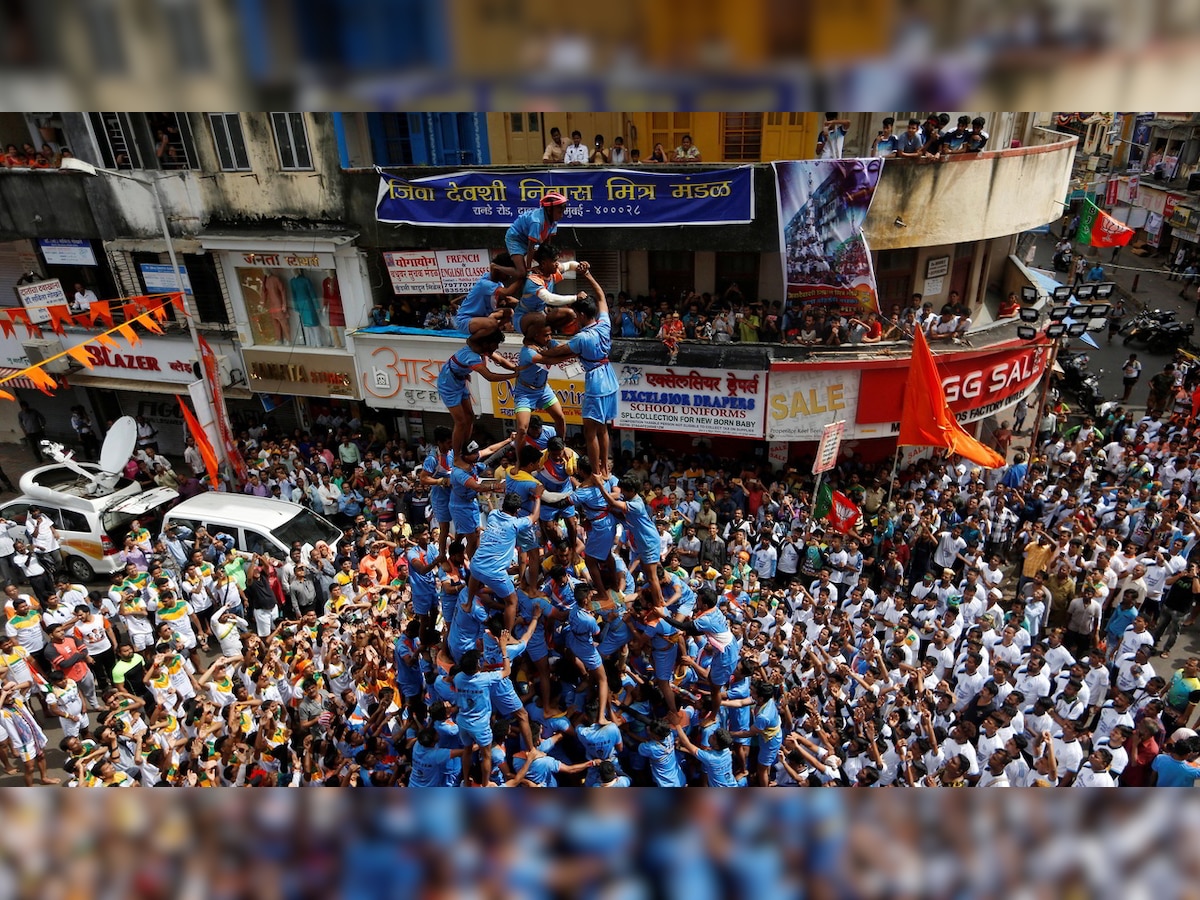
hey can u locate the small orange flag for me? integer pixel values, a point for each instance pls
(927, 421)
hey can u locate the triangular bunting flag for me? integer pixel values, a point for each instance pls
(6, 326)
(32, 330)
(103, 311)
(126, 331)
(160, 312)
(130, 310)
(5, 395)
(19, 314)
(147, 321)
(80, 354)
(41, 380)
(107, 340)
(83, 321)
(177, 302)
(60, 314)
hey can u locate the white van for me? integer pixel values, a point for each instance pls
(257, 524)
(91, 528)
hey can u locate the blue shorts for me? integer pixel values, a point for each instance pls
(528, 401)
(501, 583)
(664, 662)
(650, 555)
(549, 513)
(601, 409)
(601, 536)
(465, 518)
(536, 649)
(504, 698)
(423, 602)
(446, 604)
(585, 652)
(439, 502)
(452, 393)
(479, 734)
(720, 668)
(515, 244)
(768, 753)
(463, 323)
(528, 540)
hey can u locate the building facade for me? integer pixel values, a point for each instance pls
(273, 219)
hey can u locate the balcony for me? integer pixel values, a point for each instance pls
(971, 197)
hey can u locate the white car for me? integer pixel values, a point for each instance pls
(91, 528)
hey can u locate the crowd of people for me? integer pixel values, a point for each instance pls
(542, 611)
(27, 156)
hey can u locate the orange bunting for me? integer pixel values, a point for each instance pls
(83, 321)
(177, 302)
(6, 326)
(80, 354)
(43, 382)
(19, 314)
(60, 314)
(126, 331)
(5, 395)
(160, 312)
(147, 321)
(107, 340)
(32, 330)
(103, 311)
(130, 310)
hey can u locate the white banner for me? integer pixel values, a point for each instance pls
(436, 271)
(401, 372)
(728, 402)
(460, 269)
(38, 295)
(803, 401)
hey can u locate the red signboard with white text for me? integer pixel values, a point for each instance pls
(976, 385)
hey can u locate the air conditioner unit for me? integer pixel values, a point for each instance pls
(39, 351)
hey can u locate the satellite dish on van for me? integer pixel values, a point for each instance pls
(118, 446)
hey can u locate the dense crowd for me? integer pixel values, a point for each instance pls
(543, 611)
(780, 652)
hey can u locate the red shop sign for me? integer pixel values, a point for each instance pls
(971, 382)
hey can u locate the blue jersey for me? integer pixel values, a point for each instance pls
(664, 764)
(474, 698)
(529, 301)
(499, 542)
(718, 767)
(532, 376)
(592, 345)
(466, 626)
(480, 300)
(429, 766)
(459, 491)
(543, 439)
(524, 484)
(439, 465)
(423, 586)
(458, 368)
(407, 653)
(531, 228)
(641, 525)
(593, 504)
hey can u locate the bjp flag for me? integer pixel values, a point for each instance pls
(1108, 232)
(927, 421)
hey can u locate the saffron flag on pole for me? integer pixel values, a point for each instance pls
(926, 419)
(202, 442)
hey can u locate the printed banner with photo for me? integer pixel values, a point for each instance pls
(596, 198)
(823, 204)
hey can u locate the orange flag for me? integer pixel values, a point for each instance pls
(202, 442)
(80, 354)
(147, 321)
(926, 419)
(100, 309)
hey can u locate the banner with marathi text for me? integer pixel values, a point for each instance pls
(823, 204)
(704, 402)
(596, 198)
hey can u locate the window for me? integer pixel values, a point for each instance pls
(74, 521)
(207, 299)
(117, 141)
(742, 136)
(518, 122)
(391, 138)
(173, 147)
(740, 269)
(292, 141)
(229, 141)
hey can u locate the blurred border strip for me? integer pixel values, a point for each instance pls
(698, 844)
(520, 54)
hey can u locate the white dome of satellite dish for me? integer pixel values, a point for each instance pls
(119, 444)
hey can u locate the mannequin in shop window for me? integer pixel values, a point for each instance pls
(275, 295)
(331, 299)
(304, 298)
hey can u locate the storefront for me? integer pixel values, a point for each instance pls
(868, 395)
(296, 387)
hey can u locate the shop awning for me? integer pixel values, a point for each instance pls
(23, 382)
(102, 383)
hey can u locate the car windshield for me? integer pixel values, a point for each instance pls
(307, 528)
